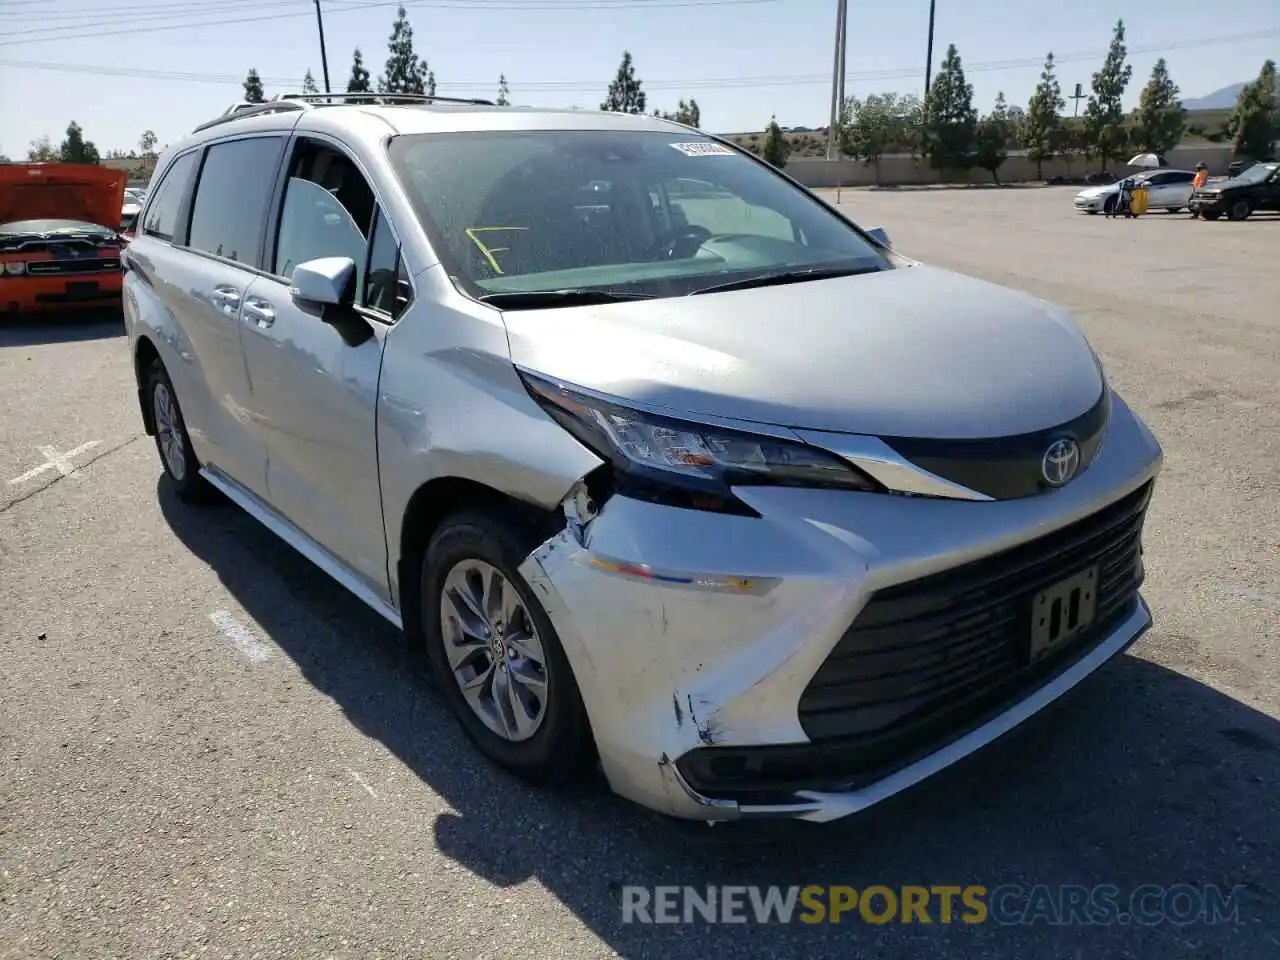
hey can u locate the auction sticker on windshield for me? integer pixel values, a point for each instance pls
(701, 148)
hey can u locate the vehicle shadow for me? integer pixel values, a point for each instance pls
(1142, 777)
(28, 330)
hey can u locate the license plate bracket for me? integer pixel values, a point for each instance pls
(1061, 612)
(82, 288)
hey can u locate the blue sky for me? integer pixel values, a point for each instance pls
(743, 60)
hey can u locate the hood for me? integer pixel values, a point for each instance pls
(63, 191)
(1092, 192)
(912, 352)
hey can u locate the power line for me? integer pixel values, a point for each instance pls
(346, 6)
(744, 82)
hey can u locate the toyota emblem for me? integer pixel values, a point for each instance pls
(1060, 462)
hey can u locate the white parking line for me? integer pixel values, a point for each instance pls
(360, 780)
(56, 461)
(241, 637)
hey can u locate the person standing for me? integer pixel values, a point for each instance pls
(1202, 177)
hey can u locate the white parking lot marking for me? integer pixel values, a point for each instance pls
(360, 780)
(241, 637)
(56, 461)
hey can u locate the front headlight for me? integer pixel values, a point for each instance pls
(689, 464)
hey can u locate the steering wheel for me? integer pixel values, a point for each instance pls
(681, 242)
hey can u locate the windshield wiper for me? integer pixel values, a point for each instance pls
(786, 276)
(533, 299)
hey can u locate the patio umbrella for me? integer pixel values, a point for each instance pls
(1149, 160)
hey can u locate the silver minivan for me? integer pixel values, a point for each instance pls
(656, 458)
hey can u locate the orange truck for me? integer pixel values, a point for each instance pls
(60, 237)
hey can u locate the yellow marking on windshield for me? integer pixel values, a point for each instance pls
(487, 251)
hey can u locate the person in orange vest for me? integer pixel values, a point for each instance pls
(1202, 176)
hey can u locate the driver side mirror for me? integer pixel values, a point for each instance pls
(879, 235)
(324, 282)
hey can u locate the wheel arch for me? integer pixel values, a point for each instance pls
(434, 502)
(145, 354)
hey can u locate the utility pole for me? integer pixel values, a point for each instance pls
(837, 82)
(1077, 97)
(928, 56)
(324, 57)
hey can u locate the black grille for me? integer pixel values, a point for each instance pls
(44, 268)
(927, 646)
(926, 661)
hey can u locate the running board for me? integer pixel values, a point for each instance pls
(291, 535)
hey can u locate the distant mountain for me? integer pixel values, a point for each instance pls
(1223, 99)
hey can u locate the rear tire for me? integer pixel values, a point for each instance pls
(485, 629)
(1240, 210)
(173, 443)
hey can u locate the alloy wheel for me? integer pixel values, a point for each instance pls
(493, 650)
(169, 431)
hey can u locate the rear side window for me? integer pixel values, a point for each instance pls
(162, 215)
(231, 197)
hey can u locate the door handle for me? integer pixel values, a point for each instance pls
(259, 312)
(226, 299)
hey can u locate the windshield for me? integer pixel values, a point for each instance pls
(1257, 173)
(651, 213)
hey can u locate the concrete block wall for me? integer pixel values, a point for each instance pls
(901, 170)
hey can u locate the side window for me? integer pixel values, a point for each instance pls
(1181, 177)
(328, 211)
(387, 286)
(162, 215)
(706, 205)
(231, 197)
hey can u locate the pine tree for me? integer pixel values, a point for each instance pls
(1042, 129)
(253, 92)
(1159, 119)
(775, 147)
(358, 82)
(504, 91)
(625, 95)
(405, 72)
(76, 149)
(992, 140)
(1104, 116)
(1255, 121)
(309, 83)
(950, 119)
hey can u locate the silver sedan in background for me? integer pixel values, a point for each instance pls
(1167, 189)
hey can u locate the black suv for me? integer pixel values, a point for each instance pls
(1257, 188)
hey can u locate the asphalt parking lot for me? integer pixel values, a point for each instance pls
(208, 749)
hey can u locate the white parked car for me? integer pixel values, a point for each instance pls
(1166, 190)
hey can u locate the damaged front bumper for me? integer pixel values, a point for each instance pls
(813, 661)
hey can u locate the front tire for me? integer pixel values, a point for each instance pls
(173, 443)
(1240, 210)
(494, 653)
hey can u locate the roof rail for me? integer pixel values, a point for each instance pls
(238, 110)
(347, 97)
(288, 102)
